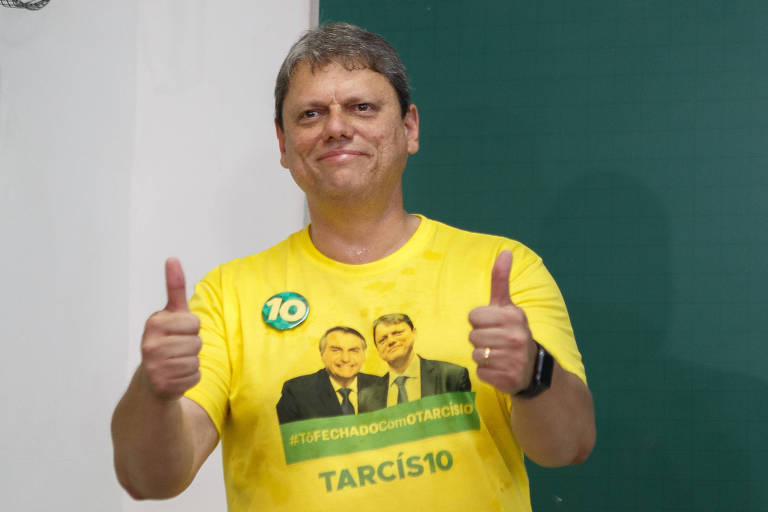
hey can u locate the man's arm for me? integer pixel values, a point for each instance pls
(160, 438)
(159, 445)
(555, 428)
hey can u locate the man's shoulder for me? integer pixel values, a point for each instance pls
(307, 380)
(474, 248)
(368, 379)
(432, 364)
(461, 237)
(256, 264)
(276, 251)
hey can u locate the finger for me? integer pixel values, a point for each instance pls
(172, 389)
(176, 286)
(166, 322)
(496, 316)
(181, 346)
(169, 347)
(508, 338)
(184, 383)
(499, 357)
(479, 356)
(181, 367)
(500, 279)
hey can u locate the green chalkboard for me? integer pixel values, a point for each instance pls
(627, 143)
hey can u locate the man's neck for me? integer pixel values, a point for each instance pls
(360, 234)
(343, 383)
(399, 367)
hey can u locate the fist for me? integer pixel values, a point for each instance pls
(504, 347)
(170, 343)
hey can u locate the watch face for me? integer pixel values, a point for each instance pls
(547, 366)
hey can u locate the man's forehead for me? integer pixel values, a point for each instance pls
(338, 338)
(393, 327)
(313, 80)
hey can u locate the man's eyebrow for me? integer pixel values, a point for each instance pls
(310, 104)
(360, 99)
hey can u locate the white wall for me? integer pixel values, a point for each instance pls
(129, 132)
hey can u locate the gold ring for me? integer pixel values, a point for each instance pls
(486, 355)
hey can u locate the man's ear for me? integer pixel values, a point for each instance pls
(411, 123)
(281, 143)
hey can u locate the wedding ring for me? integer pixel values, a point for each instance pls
(486, 355)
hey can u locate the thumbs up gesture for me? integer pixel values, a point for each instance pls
(504, 347)
(170, 342)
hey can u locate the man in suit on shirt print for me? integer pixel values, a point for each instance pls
(411, 376)
(338, 388)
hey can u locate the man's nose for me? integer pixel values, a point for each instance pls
(338, 125)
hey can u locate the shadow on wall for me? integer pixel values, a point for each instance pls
(672, 434)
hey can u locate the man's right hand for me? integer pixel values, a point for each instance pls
(170, 343)
(160, 437)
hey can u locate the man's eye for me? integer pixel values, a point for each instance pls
(364, 107)
(309, 114)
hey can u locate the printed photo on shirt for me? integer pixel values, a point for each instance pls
(340, 388)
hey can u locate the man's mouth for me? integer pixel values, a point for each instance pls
(339, 155)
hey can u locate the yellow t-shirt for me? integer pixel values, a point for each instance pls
(261, 319)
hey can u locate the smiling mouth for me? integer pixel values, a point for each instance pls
(340, 155)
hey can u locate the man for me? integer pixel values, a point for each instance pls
(337, 389)
(412, 377)
(345, 127)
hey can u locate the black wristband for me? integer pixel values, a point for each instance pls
(542, 374)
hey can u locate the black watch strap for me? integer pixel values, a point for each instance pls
(542, 374)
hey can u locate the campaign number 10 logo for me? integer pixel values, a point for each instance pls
(285, 310)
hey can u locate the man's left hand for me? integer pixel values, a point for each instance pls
(504, 348)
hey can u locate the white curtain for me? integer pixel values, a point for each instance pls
(129, 132)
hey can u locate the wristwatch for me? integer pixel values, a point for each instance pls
(542, 374)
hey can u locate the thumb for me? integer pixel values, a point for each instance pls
(176, 286)
(500, 279)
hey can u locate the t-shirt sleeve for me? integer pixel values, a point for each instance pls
(533, 289)
(212, 392)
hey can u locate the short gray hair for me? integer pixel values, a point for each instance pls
(349, 45)
(340, 328)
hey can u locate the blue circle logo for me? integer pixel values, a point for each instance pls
(285, 310)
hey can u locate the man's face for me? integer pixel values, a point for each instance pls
(343, 355)
(344, 136)
(394, 342)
